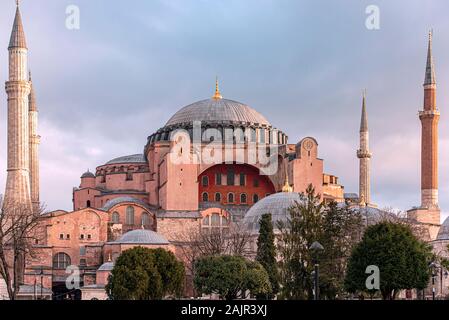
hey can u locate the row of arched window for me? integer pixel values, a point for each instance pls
(145, 219)
(230, 197)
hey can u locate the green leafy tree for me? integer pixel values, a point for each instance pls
(171, 270)
(230, 276)
(266, 254)
(402, 259)
(145, 274)
(336, 227)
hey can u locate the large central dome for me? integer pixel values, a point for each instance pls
(217, 110)
(223, 115)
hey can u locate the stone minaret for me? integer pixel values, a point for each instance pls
(429, 117)
(365, 156)
(34, 145)
(18, 90)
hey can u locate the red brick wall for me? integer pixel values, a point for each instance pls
(265, 185)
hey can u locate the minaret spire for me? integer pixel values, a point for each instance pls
(17, 39)
(365, 157)
(364, 119)
(430, 78)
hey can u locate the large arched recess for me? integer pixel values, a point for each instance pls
(254, 187)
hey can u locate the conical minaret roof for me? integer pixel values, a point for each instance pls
(430, 67)
(32, 106)
(17, 35)
(364, 119)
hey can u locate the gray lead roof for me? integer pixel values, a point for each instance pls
(211, 110)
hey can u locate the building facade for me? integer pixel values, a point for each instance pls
(204, 169)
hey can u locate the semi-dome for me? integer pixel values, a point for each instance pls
(217, 110)
(443, 234)
(134, 158)
(277, 204)
(142, 236)
(113, 202)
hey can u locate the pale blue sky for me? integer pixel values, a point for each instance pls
(103, 89)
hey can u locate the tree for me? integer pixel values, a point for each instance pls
(402, 259)
(230, 276)
(195, 243)
(266, 254)
(20, 229)
(171, 270)
(145, 274)
(342, 230)
(335, 226)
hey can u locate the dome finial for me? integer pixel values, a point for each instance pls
(287, 187)
(217, 95)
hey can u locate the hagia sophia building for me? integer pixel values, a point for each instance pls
(215, 163)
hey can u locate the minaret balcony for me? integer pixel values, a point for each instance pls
(363, 154)
(428, 113)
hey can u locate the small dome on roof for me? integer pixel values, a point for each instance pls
(107, 266)
(142, 236)
(87, 174)
(443, 234)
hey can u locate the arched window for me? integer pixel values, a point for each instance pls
(61, 260)
(218, 197)
(205, 181)
(205, 196)
(243, 198)
(255, 198)
(215, 223)
(88, 204)
(130, 215)
(145, 220)
(231, 198)
(115, 217)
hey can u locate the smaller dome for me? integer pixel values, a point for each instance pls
(134, 158)
(107, 266)
(443, 234)
(142, 236)
(87, 174)
(277, 204)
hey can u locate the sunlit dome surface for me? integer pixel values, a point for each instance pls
(215, 110)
